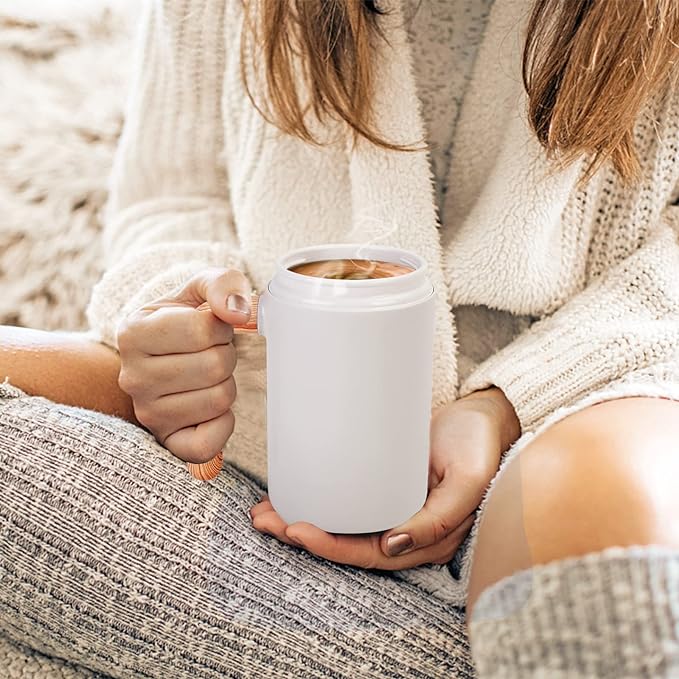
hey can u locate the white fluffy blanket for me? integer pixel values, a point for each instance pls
(63, 87)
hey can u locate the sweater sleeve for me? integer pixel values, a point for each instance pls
(168, 214)
(625, 321)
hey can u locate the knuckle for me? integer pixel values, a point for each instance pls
(229, 331)
(125, 335)
(371, 559)
(368, 562)
(230, 357)
(210, 277)
(201, 278)
(230, 425)
(128, 382)
(216, 367)
(154, 422)
(480, 472)
(145, 415)
(222, 396)
(202, 334)
(440, 527)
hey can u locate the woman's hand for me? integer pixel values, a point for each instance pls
(468, 437)
(177, 363)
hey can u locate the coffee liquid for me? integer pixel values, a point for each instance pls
(351, 269)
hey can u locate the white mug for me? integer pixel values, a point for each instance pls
(349, 387)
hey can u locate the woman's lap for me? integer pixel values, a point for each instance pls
(113, 557)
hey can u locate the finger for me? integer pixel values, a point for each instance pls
(364, 550)
(227, 291)
(447, 506)
(445, 551)
(356, 550)
(177, 373)
(177, 330)
(173, 412)
(439, 553)
(201, 443)
(264, 505)
(271, 523)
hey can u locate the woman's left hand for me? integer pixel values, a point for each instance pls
(468, 437)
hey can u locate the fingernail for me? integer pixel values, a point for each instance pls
(398, 544)
(238, 303)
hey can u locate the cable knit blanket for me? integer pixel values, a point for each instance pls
(63, 88)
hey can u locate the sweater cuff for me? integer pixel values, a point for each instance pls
(150, 274)
(543, 371)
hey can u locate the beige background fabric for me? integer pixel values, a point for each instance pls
(63, 84)
(63, 78)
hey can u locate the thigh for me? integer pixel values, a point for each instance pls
(113, 557)
(602, 477)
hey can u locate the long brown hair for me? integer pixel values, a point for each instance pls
(589, 66)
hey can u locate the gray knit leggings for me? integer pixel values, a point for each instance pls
(113, 558)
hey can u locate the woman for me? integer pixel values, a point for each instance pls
(530, 156)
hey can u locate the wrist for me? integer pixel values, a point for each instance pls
(499, 407)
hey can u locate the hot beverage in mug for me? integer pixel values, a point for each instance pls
(351, 269)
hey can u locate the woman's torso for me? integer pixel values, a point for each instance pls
(516, 235)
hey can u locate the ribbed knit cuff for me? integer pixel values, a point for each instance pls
(147, 276)
(543, 371)
(620, 323)
(608, 614)
(538, 375)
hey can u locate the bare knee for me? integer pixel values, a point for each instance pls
(603, 477)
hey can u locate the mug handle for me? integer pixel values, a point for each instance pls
(206, 471)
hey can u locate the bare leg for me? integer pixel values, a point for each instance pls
(603, 477)
(575, 568)
(66, 368)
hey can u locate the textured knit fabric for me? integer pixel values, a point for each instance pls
(18, 661)
(608, 615)
(157, 571)
(111, 556)
(202, 179)
(444, 37)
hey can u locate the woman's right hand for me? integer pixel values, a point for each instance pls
(177, 363)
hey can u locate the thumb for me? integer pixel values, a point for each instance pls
(227, 292)
(446, 509)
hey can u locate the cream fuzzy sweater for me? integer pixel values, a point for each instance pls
(201, 179)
